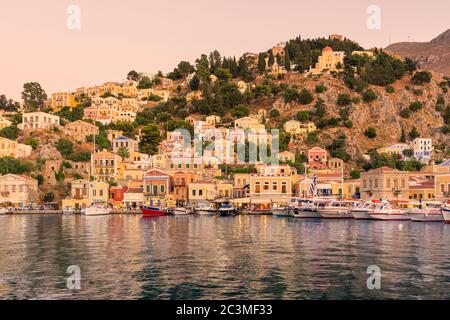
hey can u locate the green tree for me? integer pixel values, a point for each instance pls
(370, 133)
(305, 97)
(415, 106)
(49, 197)
(133, 75)
(287, 60)
(33, 142)
(344, 100)
(262, 62)
(33, 96)
(123, 153)
(240, 111)
(150, 139)
(421, 77)
(65, 147)
(413, 134)
(11, 132)
(303, 116)
(274, 113)
(369, 96)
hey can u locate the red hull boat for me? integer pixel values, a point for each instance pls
(153, 211)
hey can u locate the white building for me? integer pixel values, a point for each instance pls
(423, 148)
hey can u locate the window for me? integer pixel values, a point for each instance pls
(162, 188)
(284, 187)
(194, 193)
(274, 186)
(266, 186)
(155, 190)
(200, 192)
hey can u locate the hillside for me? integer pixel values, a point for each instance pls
(433, 55)
(383, 114)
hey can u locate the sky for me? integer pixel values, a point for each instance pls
(117, 36)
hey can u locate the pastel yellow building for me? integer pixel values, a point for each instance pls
(99, 191)
(442, 185)
(328, 61)
(385, 183)
(62, 99)
(10, 148)
(298, 129)
(248, 123)
(369, 54)
(286, 156)
(394, 149)
(79, 130)
(17, 190)
(4, 122)
(209, 191)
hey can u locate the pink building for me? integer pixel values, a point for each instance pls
(317, 158)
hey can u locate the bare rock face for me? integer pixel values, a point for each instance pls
(383, 114)
(433, 55)
(46, 152)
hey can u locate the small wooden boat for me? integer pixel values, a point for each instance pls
(4, 211)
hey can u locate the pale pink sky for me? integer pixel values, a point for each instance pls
(119, 35)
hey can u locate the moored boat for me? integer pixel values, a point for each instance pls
(148, 211)
(446, 214)
(227, 209)
(282, 211)
(205, 208)
(430, 213)
(304, 208)
(4, 211)
(335, 210)
(97, 210)
(362, 211)
(181, 211)
(68, 211)
(385, 212)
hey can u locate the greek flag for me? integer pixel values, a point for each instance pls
(313, 184)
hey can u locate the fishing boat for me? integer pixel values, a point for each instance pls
(304, 208)
(182, 211)
(97, 210)
(149, 211)
(385, 212)
(429, 213)
(362, 210)
(205, 208)
(338, 209)
(227, 209)
(4, 211)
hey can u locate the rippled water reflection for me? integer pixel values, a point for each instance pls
(246, 257)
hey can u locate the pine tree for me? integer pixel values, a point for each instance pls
(262, 62)
(287, 60)
(403, 136)
(271, 58)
